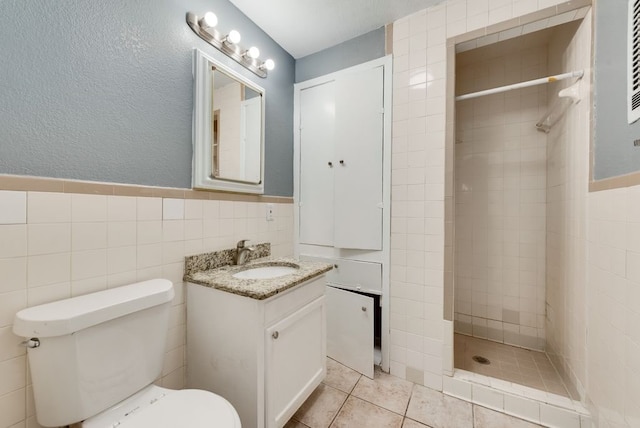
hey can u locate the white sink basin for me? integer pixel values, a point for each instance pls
(265, 272)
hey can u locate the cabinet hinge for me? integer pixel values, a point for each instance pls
(380, 205)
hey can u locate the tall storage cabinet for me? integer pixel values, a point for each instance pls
(341, 133)
(342, 203)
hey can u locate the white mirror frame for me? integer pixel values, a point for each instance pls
(202, 167)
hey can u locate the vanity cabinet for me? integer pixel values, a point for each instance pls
(265, 356)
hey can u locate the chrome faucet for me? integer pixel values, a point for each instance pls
(241, 252)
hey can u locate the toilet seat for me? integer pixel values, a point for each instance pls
(192, 408)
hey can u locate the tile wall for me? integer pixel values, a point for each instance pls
(58, 245)
(613, 307)
(567, 187)
(421, 340)
(500, 196)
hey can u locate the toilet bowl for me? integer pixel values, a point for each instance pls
(94, 358)
(156, 407)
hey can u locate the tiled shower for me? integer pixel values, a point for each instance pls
(520, 194)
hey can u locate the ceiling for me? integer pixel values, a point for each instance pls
(303, 27)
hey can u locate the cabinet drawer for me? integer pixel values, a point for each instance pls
(352, 274)
(283, 304)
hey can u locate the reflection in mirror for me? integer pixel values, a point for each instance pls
(236, 129)
(228, 129)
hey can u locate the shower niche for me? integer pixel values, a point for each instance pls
(520, 153)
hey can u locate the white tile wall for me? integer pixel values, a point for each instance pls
(57, 245)
(418, 158)
(567, 178)
(613, 306)
(613, 277)
(13, 207)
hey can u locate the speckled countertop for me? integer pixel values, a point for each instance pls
(260, 289)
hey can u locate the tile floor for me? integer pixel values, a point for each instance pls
(510, 363)
(348, 400)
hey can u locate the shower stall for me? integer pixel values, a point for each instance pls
(520, 170)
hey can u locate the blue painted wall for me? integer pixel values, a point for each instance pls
(614, 153)
(102, 90)
(360, 49)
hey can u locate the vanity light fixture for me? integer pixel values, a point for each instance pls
(204, 27)
(209, 20)
(268, 65)
(233, 37)
(252, 52)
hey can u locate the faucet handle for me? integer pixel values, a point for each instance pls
(241, 242)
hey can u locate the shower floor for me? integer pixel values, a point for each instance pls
(510, 363)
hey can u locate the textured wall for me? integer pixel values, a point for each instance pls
(360, 49)
(614, 151)
(103, 91)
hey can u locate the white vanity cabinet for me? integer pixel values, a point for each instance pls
(265, 356)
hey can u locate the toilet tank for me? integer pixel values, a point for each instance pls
(95, 350)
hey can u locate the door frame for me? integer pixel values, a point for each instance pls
(382, 256)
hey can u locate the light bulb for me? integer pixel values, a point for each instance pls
(233, 37)
(269, 64)
(209, 20)
(252, 52)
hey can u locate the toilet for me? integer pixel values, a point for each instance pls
(94, 358)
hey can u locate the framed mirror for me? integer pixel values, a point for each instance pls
(228, 129)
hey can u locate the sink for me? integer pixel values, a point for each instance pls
(265, 272)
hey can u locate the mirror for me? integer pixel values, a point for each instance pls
(228, 129)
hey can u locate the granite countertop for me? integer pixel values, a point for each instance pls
(260, 289)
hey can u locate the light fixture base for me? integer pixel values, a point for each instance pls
(213, 37)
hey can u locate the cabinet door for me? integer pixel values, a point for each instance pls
(317, 115)
(359, 129)
(295, 361)
(350, 329)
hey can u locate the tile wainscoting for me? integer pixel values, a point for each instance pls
(61, 239)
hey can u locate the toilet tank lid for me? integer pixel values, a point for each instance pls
(71, 315)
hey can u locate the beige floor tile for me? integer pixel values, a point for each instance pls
(359, 413)
(340, 377)
(438, 410)
(485, 418)
(321, 407)
(295, 424)
(385, 390)
(409, 423)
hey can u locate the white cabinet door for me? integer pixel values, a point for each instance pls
(350, 329)
(359, 129)
(317, 115)
(295, 362)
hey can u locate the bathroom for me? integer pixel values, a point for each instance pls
(96, 155)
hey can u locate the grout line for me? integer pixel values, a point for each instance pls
(339, 410)
(413, 386)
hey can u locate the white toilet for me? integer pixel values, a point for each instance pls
(93, 360)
